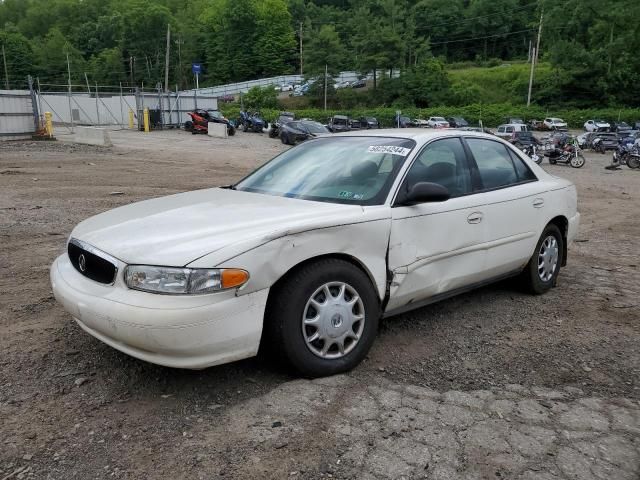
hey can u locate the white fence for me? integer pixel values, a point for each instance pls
(16, 115)
(112, 109)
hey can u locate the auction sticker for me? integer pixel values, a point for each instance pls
(402, 151)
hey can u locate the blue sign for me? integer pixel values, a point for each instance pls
(196, 68)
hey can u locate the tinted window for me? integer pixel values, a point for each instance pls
(509, 129)
(443, 162)
(494, 163)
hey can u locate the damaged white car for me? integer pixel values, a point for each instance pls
(308, 252)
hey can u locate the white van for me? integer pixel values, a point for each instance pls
(507, 130)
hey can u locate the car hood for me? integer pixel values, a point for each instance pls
(177, 229)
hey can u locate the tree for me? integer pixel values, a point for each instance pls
(19, 55)
(51, 57)
(325, 48)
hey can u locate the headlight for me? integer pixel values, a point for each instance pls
(170, 280)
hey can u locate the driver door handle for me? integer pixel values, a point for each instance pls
(538, 202)
(475, 217)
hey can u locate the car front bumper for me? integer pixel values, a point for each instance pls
(191, 331)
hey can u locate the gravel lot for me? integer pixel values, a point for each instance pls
(491, 384)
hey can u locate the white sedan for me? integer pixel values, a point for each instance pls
(437, 122)
(596, 126)
(308, 252)
(553, 123)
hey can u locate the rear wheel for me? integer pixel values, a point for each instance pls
(323, 318)
(633, 161)
(541, 272)
(188, 125)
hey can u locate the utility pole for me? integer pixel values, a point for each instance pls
(166, 59)
(534, 58)
(69, 92)
(325, 86)
(6, 72)
(301, 23)
(179, 43)
(131, 71)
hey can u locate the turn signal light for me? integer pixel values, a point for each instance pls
(233, 277)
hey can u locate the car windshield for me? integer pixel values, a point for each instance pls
(438, 119)
(314, 127)
(351, 170)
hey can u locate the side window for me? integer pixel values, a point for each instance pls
(494, 163)
(500, 129)
(444, 162)
(509, 129)
(524, 173)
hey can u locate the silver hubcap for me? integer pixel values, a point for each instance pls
(577, 161)
(548, 258)
(333, 320)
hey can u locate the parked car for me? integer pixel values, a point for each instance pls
(506, 131)
(339, 123)
(535, 125)
(284, 117)
(355, 124)
(620, 127)
(596, 126)
(420, 123)
(516, 120)
(609, 139)
(340, 85)
(286, 87)
(401, 121)
(437, 122)
(369, 122)
(301, 90)
(554, 123)
(359, 83)
(523, 139)
(457, 122)
(299, 131)
(200, 119)
(308, 252)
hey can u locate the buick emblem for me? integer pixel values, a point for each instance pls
(82, 263)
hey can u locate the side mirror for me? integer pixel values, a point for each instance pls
(424, 192)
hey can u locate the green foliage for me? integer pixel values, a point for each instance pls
(258, 98)
(19, 54)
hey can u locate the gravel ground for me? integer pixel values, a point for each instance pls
(491, 384)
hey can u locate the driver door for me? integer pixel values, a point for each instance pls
(437, 247)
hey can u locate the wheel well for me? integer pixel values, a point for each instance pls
(342, 256)
(563, 224)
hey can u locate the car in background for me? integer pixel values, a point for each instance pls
(301, 90)
(554, 123)
(400, 121)
(620, 127)
(420, 123)
(286, 87)
(535, 124)
(301, 130)
(339, 123)
(506, 131)
(596, 126)
(477, 129)
(513, 120)
(339, 85)
(523, 139)
(609, 139)
(359, 83)
(284, 117)
(437, 122)
(227, 98)
(355, 124)
(369, 122)
(457, 122)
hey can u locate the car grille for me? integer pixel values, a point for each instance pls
(92, 263)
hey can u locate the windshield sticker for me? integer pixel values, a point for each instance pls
(402, 151)
(344, 194)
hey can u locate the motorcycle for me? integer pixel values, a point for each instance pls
(532, 152)
(251, 121)
(598, 145)
(626, 154)
(200, 119)
(568, 152)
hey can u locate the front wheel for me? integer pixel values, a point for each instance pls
(541, 272)
(577, 161)
(231, 130)
(633, 162)
(324, 317)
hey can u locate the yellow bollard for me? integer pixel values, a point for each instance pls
(48, 124)
(131, 119)
(146, 120)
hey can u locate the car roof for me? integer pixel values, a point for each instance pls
(420, 135)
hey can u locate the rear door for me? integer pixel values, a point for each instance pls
(513, 205)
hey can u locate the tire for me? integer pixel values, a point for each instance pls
(245, 127)
(188, 126)
(536, 278)
(552, 161)
(302, 295)
(633, 162)
(577, 161)
(273, 133)
(231, 131)
(283, 139)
